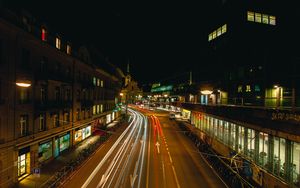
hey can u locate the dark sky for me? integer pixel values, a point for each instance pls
(159, 40)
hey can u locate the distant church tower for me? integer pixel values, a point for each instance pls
(128, 77)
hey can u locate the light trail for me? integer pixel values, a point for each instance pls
(130, 144)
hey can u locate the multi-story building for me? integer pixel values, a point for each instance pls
(50, 96)
(249, 43)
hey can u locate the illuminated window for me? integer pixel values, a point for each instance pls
(57, 43)
(94, 81)
(68, 49)
(240, 88)
(94, 109)
(98, 109)
(102, 83)
(209, 37)
(214, 34)
(272, 20)
(224, 28)
(101, 108)
(248, 88)
(98, 82)
(257, 88)
(219, 31)
(258, 17)
(250, 16)
(265, 19)
(44, 34)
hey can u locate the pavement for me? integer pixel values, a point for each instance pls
(50, 168)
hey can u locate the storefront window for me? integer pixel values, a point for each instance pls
(263, 149)
(251, 143)
(296, 163)
(232, 137)
(45, 151)
(226, 132)
(64, 142)
(241, 139)
(21, 164)
(279, 156)
(108, 118)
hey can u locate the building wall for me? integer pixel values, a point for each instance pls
(24, 56)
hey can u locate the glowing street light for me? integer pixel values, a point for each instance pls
(23, 83)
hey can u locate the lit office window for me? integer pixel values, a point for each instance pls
(250, 16)
(248, 88)
(240, 88)
(265, 19)
(272, 20)
(209, 37)
(219, 31)
(44, 34)
(258, 17)
(69, 50)
(57, 43)
(102, 83)
(214, 34)
(98, 82)
(224, 28)
(94, 81)
(94, 109)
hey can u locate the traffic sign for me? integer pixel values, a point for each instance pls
(37, 172)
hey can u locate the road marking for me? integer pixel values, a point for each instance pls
(157, 145)
(170, 157)
(175, 175)
(148, 160)
(164, 174)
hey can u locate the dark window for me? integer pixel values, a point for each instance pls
(42, 122)
(56, 120)
(43, 64)
(1, 53)
(43, 94)
(25, 64)
(23, 125)
(57, 93)
(78, 95)
(68, 94)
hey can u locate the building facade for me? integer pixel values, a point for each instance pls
(249, 46)
(51, 97)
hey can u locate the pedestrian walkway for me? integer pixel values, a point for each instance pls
(49, 169)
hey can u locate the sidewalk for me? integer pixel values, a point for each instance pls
(49, 169)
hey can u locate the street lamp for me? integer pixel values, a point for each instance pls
(23, 83)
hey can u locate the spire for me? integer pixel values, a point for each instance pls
(128, 67)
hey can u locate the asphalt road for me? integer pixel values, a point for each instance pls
(178, 163)
(151, 152)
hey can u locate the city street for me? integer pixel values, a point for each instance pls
(151, 152)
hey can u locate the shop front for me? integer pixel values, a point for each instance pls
(45, 151)
(186, 114)
(24, 161)
(108, 118)
(83, 133)
(61, 143)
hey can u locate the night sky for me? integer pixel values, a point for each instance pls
(159, 40)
